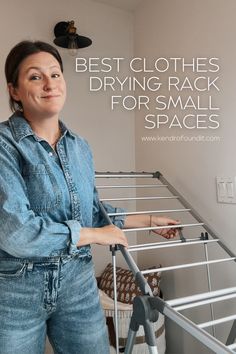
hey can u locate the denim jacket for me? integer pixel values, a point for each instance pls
(45, 197)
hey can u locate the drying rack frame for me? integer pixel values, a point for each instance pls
(151, 306)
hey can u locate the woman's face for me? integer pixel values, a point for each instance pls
(41, 86)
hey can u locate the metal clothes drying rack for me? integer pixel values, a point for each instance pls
(146, 307)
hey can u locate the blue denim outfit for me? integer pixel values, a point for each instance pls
(47, 284)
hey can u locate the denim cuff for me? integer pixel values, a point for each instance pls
(74, 227)
(118, 220)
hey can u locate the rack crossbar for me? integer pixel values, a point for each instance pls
(188, 265)
(135, 198)
(148, 246)
(161, 227)
(192, 298)
(216, 322)
(124, 175)
(149, 212)
(168, 242)
(206, 302)
(132, 186)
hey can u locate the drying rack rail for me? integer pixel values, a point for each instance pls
(150, 305)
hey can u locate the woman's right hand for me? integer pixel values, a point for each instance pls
(106, 235)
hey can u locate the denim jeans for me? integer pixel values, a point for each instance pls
(55, 296)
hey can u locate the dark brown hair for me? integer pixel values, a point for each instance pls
(17, 54)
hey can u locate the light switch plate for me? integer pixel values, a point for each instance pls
(226, 189)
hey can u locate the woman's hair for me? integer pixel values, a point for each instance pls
(18, 53)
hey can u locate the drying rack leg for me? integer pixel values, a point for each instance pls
(204, 236)
(130, 341)
(113, 250)
(143, 315)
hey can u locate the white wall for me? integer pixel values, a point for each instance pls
(189, 29)
(86, 112)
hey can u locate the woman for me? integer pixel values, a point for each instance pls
(49, 212)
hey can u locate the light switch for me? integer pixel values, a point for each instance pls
(226, 189)
(230, 189)
(222, 189)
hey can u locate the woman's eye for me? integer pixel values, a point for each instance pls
(55, 75)
(35, 77)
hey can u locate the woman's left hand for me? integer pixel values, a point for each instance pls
(137, 221)
(168, 233)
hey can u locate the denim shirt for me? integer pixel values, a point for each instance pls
(45, 196)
